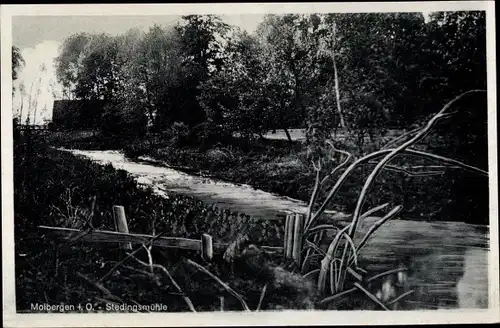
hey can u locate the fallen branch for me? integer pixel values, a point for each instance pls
(371, 296)
(400, 297)
(187, 300)
(99, 287)
(377, 225)
(412, 173)
(129, 255)
(446, 160)
(376, 171)
(405, 135)
(264, 289)
(397, 151)
(374, 210)
(223, 284)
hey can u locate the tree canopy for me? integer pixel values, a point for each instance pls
(17, 63)
(363, 72)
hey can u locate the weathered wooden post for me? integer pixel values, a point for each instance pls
(289, 227)
(221, 300)
(325, 266)
(207, 248)
(285, 239)
(121, 223)
(298, 231)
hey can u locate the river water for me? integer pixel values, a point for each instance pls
(447, 261)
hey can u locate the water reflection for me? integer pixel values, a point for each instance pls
(472, 288)
(438, 281)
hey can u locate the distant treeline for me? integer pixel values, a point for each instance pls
(365, 72)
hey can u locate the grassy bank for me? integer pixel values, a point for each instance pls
(283, 168)
(56, 188)
(278, 167)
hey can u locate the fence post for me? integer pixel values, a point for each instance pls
(289, 227)
(207, 248)
(121, 223)
(221, 300)
(285, 239)
(298, 231)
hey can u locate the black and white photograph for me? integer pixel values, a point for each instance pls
(332, 163)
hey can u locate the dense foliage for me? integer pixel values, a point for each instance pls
(318, 72)
(196, 84)
(276, 167)
(17, 62)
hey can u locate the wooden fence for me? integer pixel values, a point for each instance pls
(291, 249)
(33, 127)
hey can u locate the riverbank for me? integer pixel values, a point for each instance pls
(58, 189)
(285, 169)
(277, 167)
(434, 252)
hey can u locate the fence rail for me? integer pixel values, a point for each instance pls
(104, 236)
(24, 127)
(291, 250)
(205, 244)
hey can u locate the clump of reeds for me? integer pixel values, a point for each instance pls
(340, 262)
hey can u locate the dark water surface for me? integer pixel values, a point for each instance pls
(447, 261)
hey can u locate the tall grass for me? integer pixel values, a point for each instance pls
(58, 189)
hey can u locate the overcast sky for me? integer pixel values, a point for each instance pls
(28, 31)
(39, 38)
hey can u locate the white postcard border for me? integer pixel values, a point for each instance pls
(281, 318)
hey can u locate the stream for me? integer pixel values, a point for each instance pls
(447, 261)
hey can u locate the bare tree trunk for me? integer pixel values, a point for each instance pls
(284, 122)
(30, 103)
(288, 135)
(336, 77)
(337, 94)
(151, 123)
(36, 100)
(21, 111)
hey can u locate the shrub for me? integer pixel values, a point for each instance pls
(123, 118)
(176, 135)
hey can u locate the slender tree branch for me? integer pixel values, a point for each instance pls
(172, 280)
(314, 194)
(341, 165)
(376, 171)
(412, 173)
(264, 289)
(446, 160)
(129, 255)
(381, 153)
(401, 137)
(223, 284)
